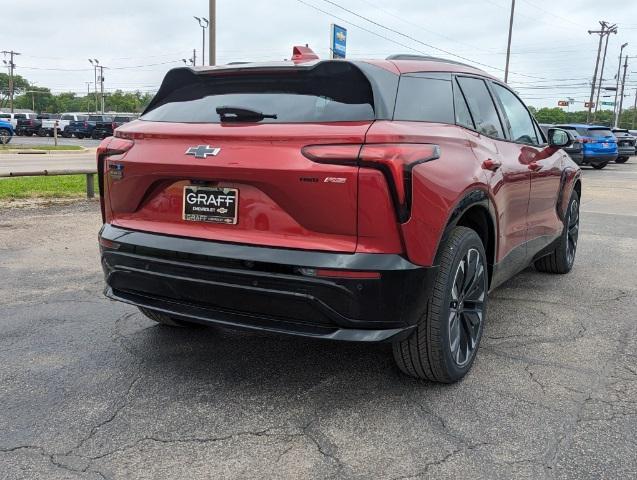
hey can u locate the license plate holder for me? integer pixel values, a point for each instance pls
(210, 204)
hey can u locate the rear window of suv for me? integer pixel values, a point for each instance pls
(329, 92)
(600, 132)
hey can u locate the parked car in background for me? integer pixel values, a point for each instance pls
(346, 200)
(598, 142)
(625, 144)
(30, 126)
(6, 132)
(105, 129)
(575, 149)
(84, 128)
(46, 127)
(14, 117)
(64, 121)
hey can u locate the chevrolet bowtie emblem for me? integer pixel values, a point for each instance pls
(203, 151)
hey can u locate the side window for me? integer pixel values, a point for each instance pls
(483, 111)
(463, 116)
(425, 98)
(67, 117)
(520, 121)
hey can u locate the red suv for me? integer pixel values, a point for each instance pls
(363, 201)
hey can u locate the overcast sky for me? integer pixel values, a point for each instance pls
(139, 40)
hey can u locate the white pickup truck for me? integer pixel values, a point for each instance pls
(62, 120)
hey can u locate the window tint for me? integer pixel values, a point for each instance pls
(82, 118)
(481, 106)
(67, 117)
(329, 92)
(520, 121)
(425, 98)
(463, 116)
(19, 115)
(5, 115)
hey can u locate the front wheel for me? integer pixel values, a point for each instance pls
(562, 258)
(445, 342)
(5, 136)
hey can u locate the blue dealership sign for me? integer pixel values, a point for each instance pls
(338, 43)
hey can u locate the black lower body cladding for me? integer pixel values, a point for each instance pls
(265, 288)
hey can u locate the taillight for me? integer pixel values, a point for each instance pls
(108, 148)
(395, 160)
(85, 124)
(113, 126)
(586, 140)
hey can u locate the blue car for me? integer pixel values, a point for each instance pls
(6, 132)
(598, 142)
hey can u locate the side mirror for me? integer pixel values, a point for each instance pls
(558, 138)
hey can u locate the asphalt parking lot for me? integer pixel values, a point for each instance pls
(90, 389)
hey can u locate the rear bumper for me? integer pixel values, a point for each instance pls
(262, 288)
(626, 151)
(589, 159)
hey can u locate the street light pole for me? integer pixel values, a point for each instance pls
(203, 23)
(212, 15)
(506, 68)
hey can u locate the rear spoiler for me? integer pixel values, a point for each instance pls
(383, 82)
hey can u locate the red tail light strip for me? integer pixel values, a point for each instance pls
(395, 160)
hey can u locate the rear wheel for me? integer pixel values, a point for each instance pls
(79, 136)
(444, 344)
(162, 318)
(599, 166)
(621, 160)
(562, 258)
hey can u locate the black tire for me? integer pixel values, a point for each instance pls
(599, 166)
(562, 258)
(621, 160)
(79, 136)
(428, 352)
(5, 136)
(162, 318)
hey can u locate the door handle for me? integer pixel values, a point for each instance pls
(490, 164)
(534, 166)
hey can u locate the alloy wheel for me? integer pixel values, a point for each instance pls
(466, 309)
(573, 232)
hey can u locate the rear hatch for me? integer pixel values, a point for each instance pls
(219, 155)
(601, 141)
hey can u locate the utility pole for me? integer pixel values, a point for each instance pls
(88, 94)
(212, 32)
(621, 98)
(634, 109)
(194, 57)
(11, 66)
(506, 68)
(95, 62)
(612, 29)
(601, 34)
(619, 68)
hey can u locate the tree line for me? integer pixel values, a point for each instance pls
(41, 99)
(603, 117)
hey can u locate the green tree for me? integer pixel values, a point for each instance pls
(20, 85)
